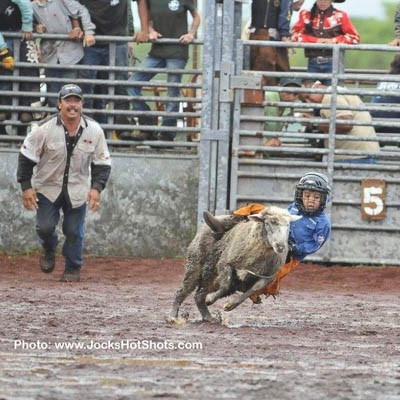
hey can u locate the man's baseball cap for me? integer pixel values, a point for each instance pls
(70, 90)
(290, 82)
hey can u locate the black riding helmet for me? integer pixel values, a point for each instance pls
(312, 181)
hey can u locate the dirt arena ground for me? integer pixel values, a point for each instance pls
(333, 333)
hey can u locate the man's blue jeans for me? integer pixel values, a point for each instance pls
(100, 55)
(155, 62)
(47, 218)
(364, 160)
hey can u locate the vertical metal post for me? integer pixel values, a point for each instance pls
(16, 85)
(337, 67)
(208, 103)
(223, 26)
(224, 123)
(111, 77)
(235, 131)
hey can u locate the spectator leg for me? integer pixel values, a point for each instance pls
(121, 61)
(172, 106)
(54, 87)
(92, 56)
(139, 105)
(25, 116)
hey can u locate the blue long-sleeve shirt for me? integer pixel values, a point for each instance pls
(269, 14)
(308, 234)
(3, 44)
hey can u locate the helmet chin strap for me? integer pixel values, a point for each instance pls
(311, 210)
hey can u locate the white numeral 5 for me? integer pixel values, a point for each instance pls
(371, 196)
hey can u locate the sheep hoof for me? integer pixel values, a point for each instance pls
(212, 320)
(176, 321)
(229, 306)
(210, 299)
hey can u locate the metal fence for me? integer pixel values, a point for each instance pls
(235, 164)
(32, 75)
(365, 205)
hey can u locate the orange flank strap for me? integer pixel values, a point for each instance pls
(273, 288)
(252, 208)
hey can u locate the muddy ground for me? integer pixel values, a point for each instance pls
(333, 333)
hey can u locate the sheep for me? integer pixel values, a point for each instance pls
(245, 259)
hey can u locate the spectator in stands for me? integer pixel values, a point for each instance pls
(112, 19)
(396, 40)
(270, 20)
(274, 111)
(169, 21)
(62, 17)
(6, 58)
(7, 63)
(369, 148)
(389, 100)
(323, 24)
(297, 4)
(16, 16)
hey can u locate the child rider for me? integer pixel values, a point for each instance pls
(306, 236)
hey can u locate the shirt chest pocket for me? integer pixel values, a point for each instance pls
(55, 149)
(85, 148)
(82, 156)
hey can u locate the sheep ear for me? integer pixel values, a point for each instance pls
(256, 217)
(293, 218)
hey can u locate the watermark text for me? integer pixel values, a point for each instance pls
(123, 344)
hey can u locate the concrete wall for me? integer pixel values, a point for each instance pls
(148, 208)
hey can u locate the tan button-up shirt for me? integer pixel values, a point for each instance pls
(369, 148)
(46, 146)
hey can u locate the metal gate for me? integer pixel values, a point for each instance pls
(236, 167)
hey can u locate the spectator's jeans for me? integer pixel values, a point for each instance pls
(100, 55)
(54, 87)
(47, 218)
(364, 160)
(23, 86)
(321, 67)
(155, 62)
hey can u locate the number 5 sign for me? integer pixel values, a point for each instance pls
(373, 193)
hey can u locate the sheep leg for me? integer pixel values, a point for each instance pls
(224, 282)
(200, 299)
(189, 284)
(240, 299)
(180, 296)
